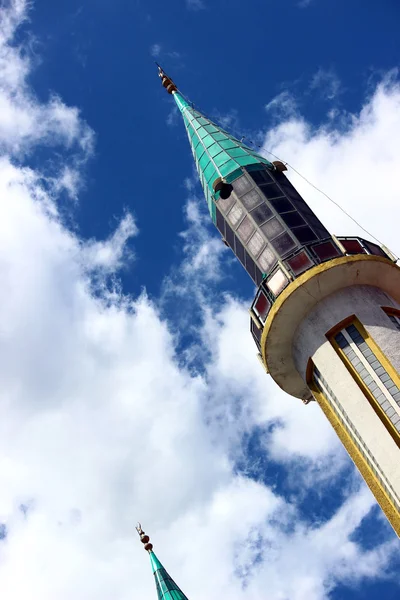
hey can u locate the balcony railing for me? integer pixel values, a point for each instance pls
(296, 264)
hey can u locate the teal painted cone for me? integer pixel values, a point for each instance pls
(216, 153)
(167, 589)
(155, 563)
(165, 585)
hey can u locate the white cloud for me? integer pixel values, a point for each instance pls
(101, 424)
(189, 184)
(354, 162)
(174, 54)
(252, 545)
(173, 116)
(68, 180)
(229, 120)
(24, 121)
(195, 4)
(233, 365)
(327, 82)
(112, 254)
(282, 106)
(155, 50)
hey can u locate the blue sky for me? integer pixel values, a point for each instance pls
(130, 383)
(97, 56)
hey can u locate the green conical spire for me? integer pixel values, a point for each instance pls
(217, 154)
(166, 586)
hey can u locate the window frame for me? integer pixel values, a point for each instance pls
(390, 311)
(354, 444)
(330, 335)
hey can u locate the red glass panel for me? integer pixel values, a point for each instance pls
(353, 247)
(262, 305)
(326, 250)
(299, 263)
(375, 249)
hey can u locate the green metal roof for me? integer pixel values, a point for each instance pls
(216, 152)
(166, 586)
(155, 563)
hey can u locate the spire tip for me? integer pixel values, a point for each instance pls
(166, 81)
(144, 538)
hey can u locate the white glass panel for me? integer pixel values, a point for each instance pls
(235, 214)
(226, 204)
(278, 282)
(266, 259)
(245, 229)
(241, 185)
(252, 199)
(255, 244)
(272, 228)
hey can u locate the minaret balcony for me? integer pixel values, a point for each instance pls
(304, 259)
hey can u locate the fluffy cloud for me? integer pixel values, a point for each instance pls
(24, 122)
(352, 159)
(101, 421)
(112, 254)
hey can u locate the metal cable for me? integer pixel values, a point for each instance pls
(261, 147)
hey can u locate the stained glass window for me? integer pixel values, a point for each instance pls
(251, 199)
(277, 282)
(272, 191)
(245, 229)
(266, 259)
(283, 244)
(255, 244)
(299, 263)
(241, 185)
(239, 250)
(261, 213)
(272, 228)
(235, 214)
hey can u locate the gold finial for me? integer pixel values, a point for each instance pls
(166, 81)
(144, 538)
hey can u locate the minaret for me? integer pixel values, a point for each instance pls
(326, 314)
(166, 586)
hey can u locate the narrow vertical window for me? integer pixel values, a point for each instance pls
(372, 372)
(324, 394)
(394, 316)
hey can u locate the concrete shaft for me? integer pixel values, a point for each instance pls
(297, 336)
(310, 341)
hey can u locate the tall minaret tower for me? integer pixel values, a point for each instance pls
(166, 586)
(326, 315)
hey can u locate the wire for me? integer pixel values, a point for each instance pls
(333, 202)
(261, 147)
